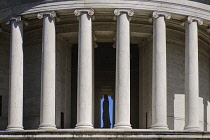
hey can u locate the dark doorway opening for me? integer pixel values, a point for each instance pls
(105, 63)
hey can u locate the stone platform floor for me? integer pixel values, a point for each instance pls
(103, 134)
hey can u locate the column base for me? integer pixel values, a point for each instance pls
(160, 127)
(47, 126)
(192, 128)
(84, 126)
(14, 128)
(122, 126)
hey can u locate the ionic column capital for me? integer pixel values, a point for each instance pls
(117, 12)
(17, 19)
(78, 12)
(52, 14)
(191, 19)
(157, 14)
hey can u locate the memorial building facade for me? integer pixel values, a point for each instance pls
(100, 69)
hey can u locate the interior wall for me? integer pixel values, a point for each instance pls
(204, 83)
(175, 86)
(32, 85)
(145, 87)
(4, 81)
(134, 86)
(62, 83)
(67, 115)
(142, 120)
(74, 64)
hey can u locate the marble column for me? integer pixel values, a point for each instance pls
(191, 74)
(15, 117)
(122, 91)
(159, 72)
(47, 113)
(85, 68)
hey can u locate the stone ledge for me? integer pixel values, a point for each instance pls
(104, 134)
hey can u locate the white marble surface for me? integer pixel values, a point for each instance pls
(122, 91)
(85, 54)
(15, 117)
(159, 77)
(47, 114)
(191, 76)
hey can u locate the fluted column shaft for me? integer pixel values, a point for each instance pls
(85, 63)
(191, 74)
(159, 76)
(47, 114)
(122, 93)
(15, 117)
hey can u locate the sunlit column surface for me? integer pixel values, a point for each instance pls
(47, 114)
(122, 93)
(85, 69)
(191, 74)
(15, 117)
(159, 72)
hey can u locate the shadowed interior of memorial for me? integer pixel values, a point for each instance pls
(104, 80)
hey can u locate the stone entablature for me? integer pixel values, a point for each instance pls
(183, 7)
